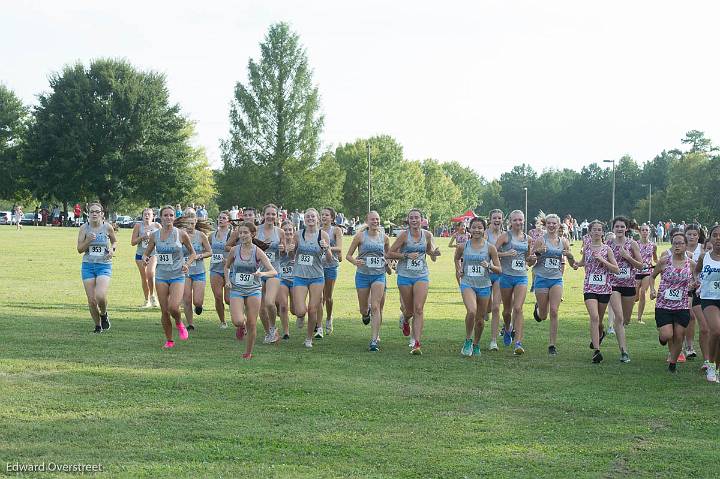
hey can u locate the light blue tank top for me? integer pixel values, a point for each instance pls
(372, 250)
(514, 265)
(710, 278)
(142, 245)
(285, 266)
(334, 262)
(414, 268)
(273, 251)
(219, 255)
(243, 280)
(100, 246)
(474, 274)
(308, 257)
(548, 264)
(169, 254)
(197, 266)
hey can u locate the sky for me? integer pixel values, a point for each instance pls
(490, 84)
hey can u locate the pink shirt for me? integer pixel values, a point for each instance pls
(673, 289)
(597, 279)
(646, 253)
(626, 277)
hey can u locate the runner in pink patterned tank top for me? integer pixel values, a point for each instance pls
(622, 298)
(599, 262)
(648, 254)
(672, 312)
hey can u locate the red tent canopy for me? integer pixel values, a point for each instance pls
(465, 216)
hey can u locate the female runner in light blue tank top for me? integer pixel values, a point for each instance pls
(493, 232)
(218, 239)
(708, 272)
(515, 255)
(479, 260)
(97, 243)
(286, 263)
(550, 249)
(373, 245)
(245, 267)
(312, 244)
(411, 248)
(195, 279)
(171, 268)
(140, 236)
(330, 268)
(272, 236)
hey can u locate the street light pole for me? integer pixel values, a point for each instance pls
(368, 156)
(526, 213)
(650, 204)
(613, 187)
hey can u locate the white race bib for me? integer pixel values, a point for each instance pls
(270, 255)
(304, 259)
(624, 273)
(518, 264)
(475, 270)
(243, 279)
(715, 285)
(286, 271)
(552, 263)
(217, 258)
(96, 250)
(375, 262)
(597, 279)
(165, 258)
(415, 264)
(673, 294)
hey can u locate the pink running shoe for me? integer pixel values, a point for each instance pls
(240, 333)
(247, 356)
(168, 345)
(182, 332)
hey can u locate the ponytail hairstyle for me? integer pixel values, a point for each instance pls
(541, 217)
(189, 214)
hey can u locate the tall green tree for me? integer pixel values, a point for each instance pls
(698, 143)
(275, 125)
(13, 122)
(443, 199)
(109, 132)
(469, 183)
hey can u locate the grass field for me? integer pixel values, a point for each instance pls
(199, 410)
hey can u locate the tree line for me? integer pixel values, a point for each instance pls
(109, 132)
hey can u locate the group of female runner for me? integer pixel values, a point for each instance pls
(272, 270)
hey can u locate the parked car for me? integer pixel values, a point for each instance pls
(28, 219)
(397, 230)
(5, 218)
(125, 221)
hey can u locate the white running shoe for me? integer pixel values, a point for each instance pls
(411, 344)
(147, 304)
(493, 346)
(154, 302)
(268, 338)
(611, 330)
(319, 332)
(329, 325)
(223, 325)
(308, 343)
(300, 322)
(711, 374)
